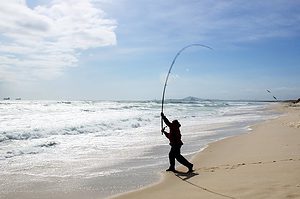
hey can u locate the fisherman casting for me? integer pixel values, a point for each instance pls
(174, 137)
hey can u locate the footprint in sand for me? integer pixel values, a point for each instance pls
(293, 124)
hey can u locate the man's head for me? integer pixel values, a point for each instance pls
(176, 123)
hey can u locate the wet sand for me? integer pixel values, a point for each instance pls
(265, 163)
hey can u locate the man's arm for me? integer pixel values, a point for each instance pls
(168, 123)
(164, 132)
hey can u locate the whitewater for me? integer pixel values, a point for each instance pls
(70, 148)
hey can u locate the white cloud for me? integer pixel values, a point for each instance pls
(43, 41)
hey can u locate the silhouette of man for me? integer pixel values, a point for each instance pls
(174, 137)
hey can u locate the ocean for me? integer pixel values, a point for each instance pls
(59, 149)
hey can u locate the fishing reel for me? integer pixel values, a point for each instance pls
(163, 130)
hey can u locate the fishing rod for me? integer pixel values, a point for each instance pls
(168, 74)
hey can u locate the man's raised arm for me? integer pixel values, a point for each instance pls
(168, 123)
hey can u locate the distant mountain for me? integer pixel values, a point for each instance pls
(190, 98)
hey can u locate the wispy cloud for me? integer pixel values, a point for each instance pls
(256, 20)
(206, 20)
(42, 42)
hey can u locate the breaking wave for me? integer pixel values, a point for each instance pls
(51, 124)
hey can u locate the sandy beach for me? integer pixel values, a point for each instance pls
(265, 163)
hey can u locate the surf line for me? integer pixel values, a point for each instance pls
(167, 77)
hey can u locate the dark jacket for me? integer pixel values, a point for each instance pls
(174, 135)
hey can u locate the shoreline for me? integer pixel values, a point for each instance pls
(93, 158)
(252, 165)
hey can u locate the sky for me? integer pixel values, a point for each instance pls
(122, 49)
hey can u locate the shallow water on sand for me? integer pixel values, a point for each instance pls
(99, 148)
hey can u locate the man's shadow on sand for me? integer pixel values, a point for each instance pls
(185, 175)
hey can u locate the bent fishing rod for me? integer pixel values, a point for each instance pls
(168, 74)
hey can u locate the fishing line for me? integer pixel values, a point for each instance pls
(272, 95)
(167, 77)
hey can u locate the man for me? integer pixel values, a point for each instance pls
(174, 137)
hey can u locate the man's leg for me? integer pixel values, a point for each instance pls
(172, 159)
(182, 160)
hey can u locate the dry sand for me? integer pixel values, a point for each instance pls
(262, 164)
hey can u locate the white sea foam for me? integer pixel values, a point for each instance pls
(90, 139)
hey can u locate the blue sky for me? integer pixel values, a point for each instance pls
(122, 49)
